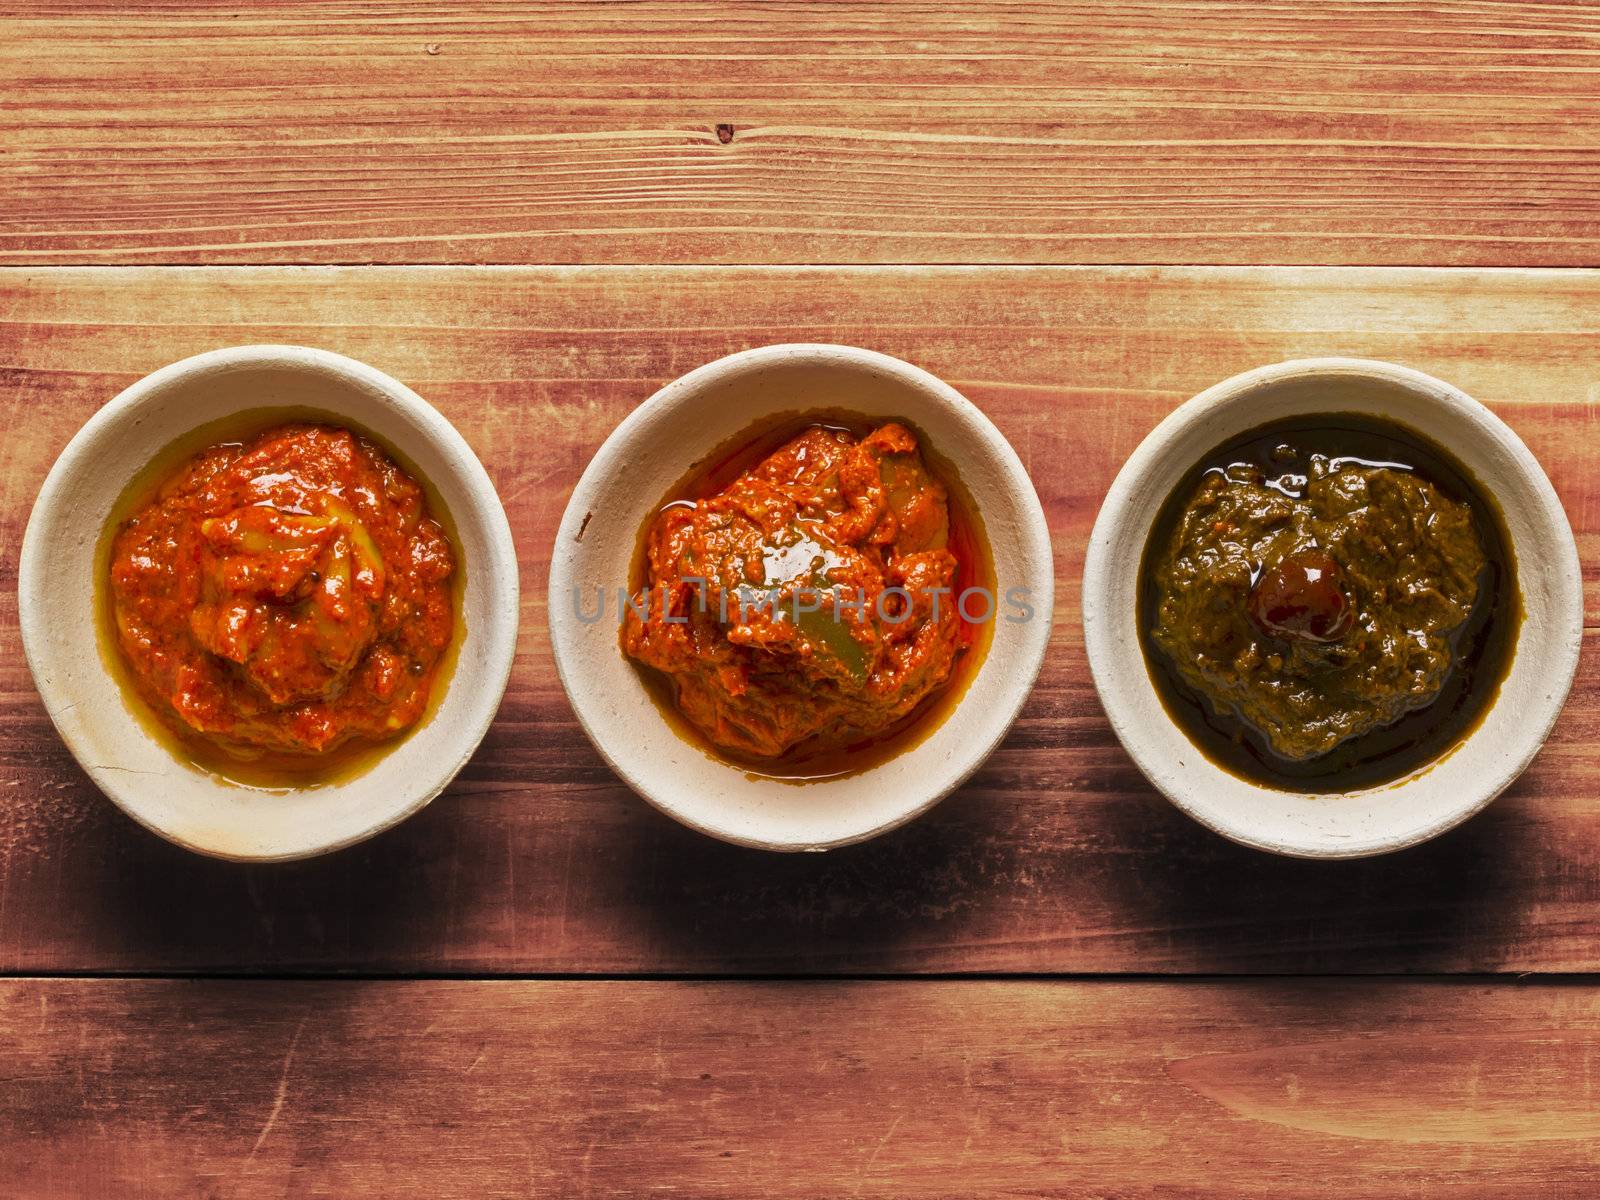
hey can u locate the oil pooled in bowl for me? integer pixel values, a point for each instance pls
(820, 757)
(1302, 622)
(267, 770)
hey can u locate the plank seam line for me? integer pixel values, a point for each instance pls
(1528, 978)
(8, 267)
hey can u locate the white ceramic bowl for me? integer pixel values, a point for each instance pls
(639, 464)
(56, 587)
(1393, 815)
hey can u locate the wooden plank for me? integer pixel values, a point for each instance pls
(1183, 131)
(1250, 1089)
(1056, 857)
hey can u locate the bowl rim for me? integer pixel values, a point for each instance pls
(434, 428)
(1137, 475)
(1032, 522)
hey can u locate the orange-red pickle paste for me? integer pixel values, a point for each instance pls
(854, 528)
(286, 595)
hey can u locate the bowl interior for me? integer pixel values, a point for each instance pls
(1438, 796)
(57, 588)
(647, 455)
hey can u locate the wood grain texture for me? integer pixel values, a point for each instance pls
(1055, 857)
(1182, 131)
(1248, 1090)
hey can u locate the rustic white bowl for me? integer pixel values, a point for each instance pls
(56, 587)
(1390, 816)
(651, 451)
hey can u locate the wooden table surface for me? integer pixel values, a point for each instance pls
(1054, 984)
